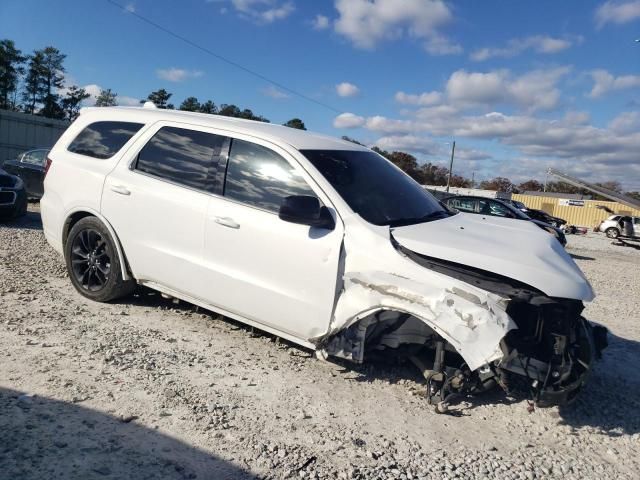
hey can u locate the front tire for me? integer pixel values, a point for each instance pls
(612, 232)
(92, 262)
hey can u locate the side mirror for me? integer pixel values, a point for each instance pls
(306, 210)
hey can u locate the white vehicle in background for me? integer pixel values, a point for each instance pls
(613, 226)
(320, 241)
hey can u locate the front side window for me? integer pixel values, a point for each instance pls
(103, 139)
(183, 156)
(375, 189)
(259, 177)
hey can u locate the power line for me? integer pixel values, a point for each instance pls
(224, 59)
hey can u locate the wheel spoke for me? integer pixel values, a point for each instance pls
(100, 276)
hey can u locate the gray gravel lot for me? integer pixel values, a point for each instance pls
(145, 388)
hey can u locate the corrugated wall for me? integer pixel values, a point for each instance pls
(21, 131)
(584, 216)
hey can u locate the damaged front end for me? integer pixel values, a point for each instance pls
(467, 340)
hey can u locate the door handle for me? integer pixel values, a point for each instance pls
(227, 222)
(122, 190)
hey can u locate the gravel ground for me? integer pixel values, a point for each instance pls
(146, 388)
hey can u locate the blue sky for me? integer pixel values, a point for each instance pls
(520, 86)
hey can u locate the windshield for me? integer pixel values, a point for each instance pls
(375, 189)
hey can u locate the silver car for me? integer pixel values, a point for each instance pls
(613, 227)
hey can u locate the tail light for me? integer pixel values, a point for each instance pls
(47, 165)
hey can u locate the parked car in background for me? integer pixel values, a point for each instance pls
(13, 197)
(320, 241)
(544, 217)
(613, 226)
(499, 208)
(537, 214)
(29, 166)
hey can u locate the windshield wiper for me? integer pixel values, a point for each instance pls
(438, 214)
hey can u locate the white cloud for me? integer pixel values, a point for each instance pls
(617, 12)
(177, 74)
(605, 82)
(368, 22)
(535, 90)
(346, 89)
(471, 154)
(127, 101)
(626, 122)
(568, 142)
(94, 90)
(273, 92)
(320, 22)
(423, 99)
(130, 7)
(409, 143)
(348, 120)
(439, 45)
(538, 43)
(263, 11)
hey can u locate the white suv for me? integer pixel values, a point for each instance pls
(614, 226)
(317, 240)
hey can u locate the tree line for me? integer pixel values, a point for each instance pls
(35, 84)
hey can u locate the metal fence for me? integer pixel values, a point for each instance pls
(20, 132)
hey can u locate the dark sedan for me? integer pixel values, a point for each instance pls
(29, 166)
(498, 208)
(13, 197)
(544, 217)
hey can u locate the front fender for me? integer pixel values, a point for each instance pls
(473, 321)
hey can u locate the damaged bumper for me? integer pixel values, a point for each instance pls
(467, 331)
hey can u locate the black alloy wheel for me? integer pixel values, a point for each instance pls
(90, 260)
(93, 262)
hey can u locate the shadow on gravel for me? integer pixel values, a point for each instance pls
(580, 257)
(44, 438)
(30, 221)
(610, 402)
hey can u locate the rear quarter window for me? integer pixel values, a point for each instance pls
(103, 139)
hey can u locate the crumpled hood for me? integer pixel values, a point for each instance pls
(515, 249)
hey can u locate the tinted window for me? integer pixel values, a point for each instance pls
(35, 157)
(260, 177)
(103, 139)
(463, 204)
(183, 156)
(374, 188)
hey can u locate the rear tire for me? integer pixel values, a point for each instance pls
(93, 263)
(612, 232)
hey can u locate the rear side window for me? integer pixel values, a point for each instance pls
(103, 139)
(183, 156)
(462, 204)
(260, 177)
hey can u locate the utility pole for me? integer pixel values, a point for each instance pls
(453, 150)
(473, 180)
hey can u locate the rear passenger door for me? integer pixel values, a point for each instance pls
(157, 198)
(276, 273)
